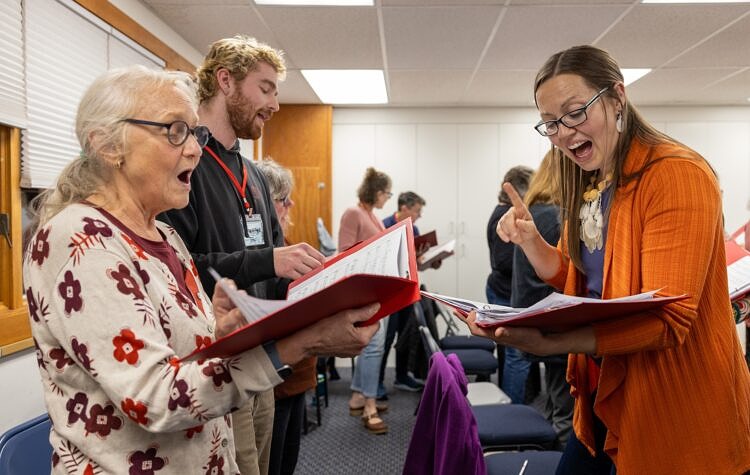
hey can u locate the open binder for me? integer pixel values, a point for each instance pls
(556, 312)
(380, 269)
(436, 253)
(738, 268)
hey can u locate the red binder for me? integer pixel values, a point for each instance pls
(351, 291)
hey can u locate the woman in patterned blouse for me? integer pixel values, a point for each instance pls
(114, 298)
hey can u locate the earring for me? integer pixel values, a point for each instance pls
(618, 122)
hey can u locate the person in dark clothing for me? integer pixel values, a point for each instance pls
(527, 289)
(499, 283)
(409, 206)
(230, 223)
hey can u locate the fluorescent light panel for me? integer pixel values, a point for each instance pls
(692, 1)
(634, 74)
(348, 86)
(330, 3)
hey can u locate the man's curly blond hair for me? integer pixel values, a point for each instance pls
(239, 55)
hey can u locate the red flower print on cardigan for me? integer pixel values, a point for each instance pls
(126, 284)
(138, 250)
(36, 309)
(179, 395)
(135, 410)
(145, 463)
(102, 420)
(185, 304)
(40, 246)
(70, 291)
(142, 273)
(95, 227)
(127, 346)
(77, 407)
(39, 355)
(81, 352)
(61, 358)
(215, 465)
(218, 372)
(193, 430)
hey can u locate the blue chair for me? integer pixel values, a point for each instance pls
(510, 463)
(25, 449)
(513, 427)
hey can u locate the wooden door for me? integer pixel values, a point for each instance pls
(299, 138)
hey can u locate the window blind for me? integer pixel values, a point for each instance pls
(66, 49)
(12, 93)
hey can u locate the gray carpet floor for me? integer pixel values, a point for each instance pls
(342, 446)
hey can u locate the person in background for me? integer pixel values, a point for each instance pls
(409, 206)
(543, 201)
(662, 391)
(289, 414)
(357, 224)
(230, 223)
(514, 367)
(115, 300)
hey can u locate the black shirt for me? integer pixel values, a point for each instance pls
(501, 256)
(213, 224)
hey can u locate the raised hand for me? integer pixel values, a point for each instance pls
(292, 262)
(516, 225)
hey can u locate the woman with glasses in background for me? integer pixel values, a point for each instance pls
(664, 391)
(357, 224)
(115, 300)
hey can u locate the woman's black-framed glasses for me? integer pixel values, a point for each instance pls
(571, 119)
(177, 131)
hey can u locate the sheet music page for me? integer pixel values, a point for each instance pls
(252, 308)
(436, 250)
(738, 275)
(386, 256)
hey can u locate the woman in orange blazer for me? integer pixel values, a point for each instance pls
(665, 391)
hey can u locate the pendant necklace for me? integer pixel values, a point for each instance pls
(592, 219)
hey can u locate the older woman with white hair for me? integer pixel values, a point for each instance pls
(115, 300)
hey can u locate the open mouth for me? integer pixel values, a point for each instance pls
(581, 149)
(184, 177)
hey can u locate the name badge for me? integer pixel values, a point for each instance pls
(254, 231)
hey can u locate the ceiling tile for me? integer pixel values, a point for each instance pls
(528, 35)
(201, 25)
(730, 47)
(651, 35)
(437, 37)
(427, 87)
(327, 37)
(506, 88)
(731, 90)
(676, 86)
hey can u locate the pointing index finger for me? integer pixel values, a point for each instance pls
(515, 198)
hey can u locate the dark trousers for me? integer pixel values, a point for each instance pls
(396, 324)
(287, 432)
(576, 459)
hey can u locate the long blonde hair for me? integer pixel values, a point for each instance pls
(113, 96)
(544, 187)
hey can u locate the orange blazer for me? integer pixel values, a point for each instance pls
(674, 388)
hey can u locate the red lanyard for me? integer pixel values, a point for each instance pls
(242, 190)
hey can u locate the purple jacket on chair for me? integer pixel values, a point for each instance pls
(445, 439)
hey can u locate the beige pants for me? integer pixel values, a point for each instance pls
(253, 427)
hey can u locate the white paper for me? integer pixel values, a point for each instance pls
(738, 275)
(488, 313)
(387, 256)
(252, 308)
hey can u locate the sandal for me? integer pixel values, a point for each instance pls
(357, 411)
(374, 423)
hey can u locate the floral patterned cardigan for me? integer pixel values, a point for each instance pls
(110, 322)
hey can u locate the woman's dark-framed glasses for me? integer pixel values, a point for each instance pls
(177, 131)
(571, 119)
